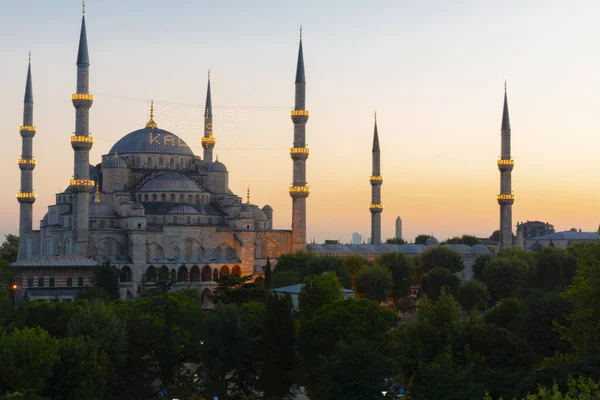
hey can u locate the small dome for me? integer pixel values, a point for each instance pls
(114, 162)
(101, 210)
(315, 247)
(183, 209)
(138, 206)
(258, 214)
(267, 208)
(170, 183)
(338, 248)
(216, 167)
(480, 249)
(388, 248)
(431, 240)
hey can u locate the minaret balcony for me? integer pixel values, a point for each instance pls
(299, 116)
(208, 142)
(506, 165)
(506, 199)
(26, 164)
(81, 185)
(299, 192)
(299, 153)
(376, 180)
(26, 197)
(82, 142)
(27, 131)
(375, 208)
(82, 99)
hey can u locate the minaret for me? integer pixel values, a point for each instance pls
(505, 165)
(376, 180)
(398, 228)
(299, 190)
(208, 141)
(82, 142)
(26, 196)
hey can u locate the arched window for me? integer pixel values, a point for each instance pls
(172, 163)
(181, 198)
(189, 220)
(195, 274)
(161, 163)
(206, 274)
(197, 198)
(149, 162)
(182, 274)
(224, 270)
(163, 197)
(163, 274)
(151, 274)
(139, 197)
(137, 162)
(215, 275)
(125, 275)
(205, 298)
(154, 197)
(236, 270)
(145, 197)
(172, 197)
(190, 197)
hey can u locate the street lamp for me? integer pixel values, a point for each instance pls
(384, 392)
(14, 286)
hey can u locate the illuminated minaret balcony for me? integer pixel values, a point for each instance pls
(27, 131)
(81, 185)
(82, 99)
(375, 208)
(26, 197)
(506, 165)
(208, 141)
(376, 180)
(82, 142)
(26, 164)
(299, 116)
(299, 192)
(506, 199)
(299, 153)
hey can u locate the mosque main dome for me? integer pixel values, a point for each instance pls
(151, 140)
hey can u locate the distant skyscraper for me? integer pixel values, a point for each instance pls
(398, 228)
(357, 238)
(505, 165)
(376, 180)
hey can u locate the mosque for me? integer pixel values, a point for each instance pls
(151, 207)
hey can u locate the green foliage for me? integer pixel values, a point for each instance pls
(83, 372)
(422, 238)
(438, 278)
(505, 277)
(233, 289)
(440, 256)
(27, 358)
(504, 313)
(355, 372)
(399, 241)
(104, 283)
(469, 240)
(305, 264)
(99, 321)
(402, 268)
(580, 389)
(50, 316)
(319, 290)
(473, 294)
(284, 278)
(268, 274)
(10, 248)
(555, 268)
(479, 265)
(375, 283)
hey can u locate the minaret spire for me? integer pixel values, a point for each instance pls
(151, 124)
(82, 142)
(299, 190)
(248, 195)
(376, 181)
(26, 196)
(208, 141)
(505, 164)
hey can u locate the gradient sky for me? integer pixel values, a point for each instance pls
(433, 71)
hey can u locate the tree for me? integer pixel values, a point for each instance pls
(104, 283)
(10, 248)
(277, 348)
(473, 294)
(268, 274)
(504, 314)
(284, 278)
(399, 241)
(402, 268)
(233, 289)
(83, 372)
(469, 240)
(438, 278)
(584, 330)
(480, 262)
(581, 389)
(354, 264)
(444, 257)
(50, 316)
(355, 373)
(505, 277)
(422, 238)
(555, 268)
(28, 356)
(319, 290)
(375, 283)
(100, 322)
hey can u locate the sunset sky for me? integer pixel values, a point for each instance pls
(433, 71)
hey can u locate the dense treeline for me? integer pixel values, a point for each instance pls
(528, 320)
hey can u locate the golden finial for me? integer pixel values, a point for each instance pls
(300, 32)
(97, 194)
(505, 85)
(375, 115)
(29, 55)
(82, 7)
(209, 74)
(151, 124)
(248, 195)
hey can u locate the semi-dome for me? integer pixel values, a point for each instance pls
(138, 206)
(480, 249)
(170, 183)
(216, 167)
(114, 162)
(183, 209)
(101, 210)
(258, 214)
(431, 241)
(267, 208)
(151, 140)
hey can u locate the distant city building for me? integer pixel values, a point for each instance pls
(398, 228)
(369, 240)
(531, 229)
(357, 238)
(561, 240)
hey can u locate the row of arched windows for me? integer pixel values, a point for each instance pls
(173, 198)
(207, 274)
(153, 162)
